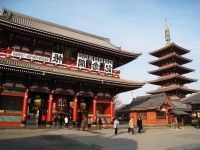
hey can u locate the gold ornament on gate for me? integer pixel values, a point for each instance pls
(37, 101)
(82, 105)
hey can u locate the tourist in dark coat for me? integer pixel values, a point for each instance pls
(139, 124)
(100, 123)
(199, 122)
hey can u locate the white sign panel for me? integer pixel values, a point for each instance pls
(56, 58)
(108, 66)
(30, 56)
(95, 64)
(81, 60)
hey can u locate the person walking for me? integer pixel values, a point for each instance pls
(89, 124)
(131, 126)
(78, 123)
(36, 119)
(100, 123)
(55, 120)
(83, 124)
(116, 124)
(66, 122)
(59, 121)
(139, 124)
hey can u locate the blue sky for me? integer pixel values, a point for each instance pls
(135, 25)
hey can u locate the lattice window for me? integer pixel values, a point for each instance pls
(160, 115)
(143, 115)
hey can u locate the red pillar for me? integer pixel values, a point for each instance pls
(94, 111)
(75, 110)
(111, 110)
(50, 104)
(24, 108)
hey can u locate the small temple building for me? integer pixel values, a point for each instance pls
(163, 106)
(194, 101)
(155, 109)
(46, 68)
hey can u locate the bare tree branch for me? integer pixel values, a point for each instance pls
(117, 101)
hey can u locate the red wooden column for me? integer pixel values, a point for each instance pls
(111, 110)
(94, 111)
(49, 115)
(75, 110)
(24, 108)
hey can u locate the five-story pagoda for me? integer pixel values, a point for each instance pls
(170, 69)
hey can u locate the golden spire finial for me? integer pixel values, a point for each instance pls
(167, 34)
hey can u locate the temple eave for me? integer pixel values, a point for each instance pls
(188, 91)
(168, 46)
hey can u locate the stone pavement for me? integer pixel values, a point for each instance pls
(104, 139)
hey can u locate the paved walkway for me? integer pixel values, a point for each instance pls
(70, 139)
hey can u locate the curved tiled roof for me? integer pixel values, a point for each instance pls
(160, 90)
(181, 49)
(66, 72)
(192, 99)
(42, 25)
(172, 77)
(183, 59)
(180, 106)
(186, 70)
(147, 102)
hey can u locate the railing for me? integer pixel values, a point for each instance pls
(67, 64)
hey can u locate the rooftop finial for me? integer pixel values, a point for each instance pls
(167, 34)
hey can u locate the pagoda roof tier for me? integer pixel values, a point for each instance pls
(11, 18)
(174, 89)
(175, 57)
(44, 69)
(176, 68)
(177, 77)
(170, 48)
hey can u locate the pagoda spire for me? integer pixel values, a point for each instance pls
(167, 34)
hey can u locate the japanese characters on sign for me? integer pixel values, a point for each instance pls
(95, 63)
(30, 56)
(81, 60)
(56, 58)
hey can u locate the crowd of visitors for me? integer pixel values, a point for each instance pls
(60, 120)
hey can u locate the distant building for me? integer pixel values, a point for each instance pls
(194, 101)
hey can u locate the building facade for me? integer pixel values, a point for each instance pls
(47, 68)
